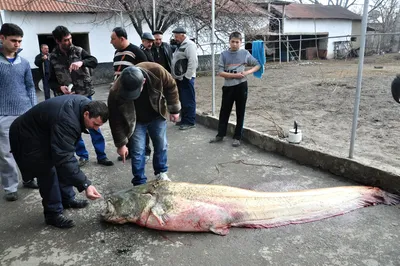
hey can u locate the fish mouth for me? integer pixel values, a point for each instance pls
(110, 214)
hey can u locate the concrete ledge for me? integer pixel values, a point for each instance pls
(345, 167)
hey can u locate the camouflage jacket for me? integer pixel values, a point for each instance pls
(61, 76)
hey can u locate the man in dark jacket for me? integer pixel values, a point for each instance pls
(70, 75)
(147, 43)
(43, 63)
(139, 101)
(43, 145)
(162, 52)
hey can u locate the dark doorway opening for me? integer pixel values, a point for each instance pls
(78, 39)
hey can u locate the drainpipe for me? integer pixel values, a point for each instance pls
(1, 17)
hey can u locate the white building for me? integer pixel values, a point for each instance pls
(337, 29)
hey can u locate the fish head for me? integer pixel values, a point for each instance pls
(125, 206)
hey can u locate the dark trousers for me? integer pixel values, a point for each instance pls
(231, 94)
(97, 141)
(187, 97)
(46, 87)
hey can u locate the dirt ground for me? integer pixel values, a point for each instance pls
(320, 96)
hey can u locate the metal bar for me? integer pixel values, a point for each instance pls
(212, 55)
(359, 78)
(154, 15)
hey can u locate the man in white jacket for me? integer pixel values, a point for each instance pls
(183, 69)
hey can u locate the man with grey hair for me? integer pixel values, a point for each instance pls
(183, 69)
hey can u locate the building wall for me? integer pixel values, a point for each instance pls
(356, 30)
(333, 27)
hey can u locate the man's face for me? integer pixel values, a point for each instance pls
(235, 44)
(179, 37)
(116, 41)
(147, 44)
(92, 123)
(45, 49)
(65, 43)
(11, 44)
(157, 40)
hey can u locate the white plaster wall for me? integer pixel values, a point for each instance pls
(44, 23)
(334, 27)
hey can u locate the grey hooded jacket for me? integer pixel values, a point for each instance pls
(184, 60)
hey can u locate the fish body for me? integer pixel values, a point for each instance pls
(187, 207)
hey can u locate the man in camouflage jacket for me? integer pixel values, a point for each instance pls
(69, 74)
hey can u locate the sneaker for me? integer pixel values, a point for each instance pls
(216, 139)
(186, 126)
(126, 158)
(105, 162)
(147, 158)
(75, 204)
(13, 196)
(59, 221)
(31, 184)
(82, 162)
(236, 143)
(162, 177)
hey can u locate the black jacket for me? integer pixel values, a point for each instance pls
(39, 63)
(167, 52)
(46, 135)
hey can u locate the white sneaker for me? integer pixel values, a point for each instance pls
(162, 177)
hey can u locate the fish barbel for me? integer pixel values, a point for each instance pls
(187, 207)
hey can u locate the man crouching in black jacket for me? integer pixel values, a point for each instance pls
(43, 145)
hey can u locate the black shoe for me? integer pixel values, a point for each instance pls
(75, 204)
(30, 184)
(216, 139)
(13, 196)
(105, 162)
(59, 221)
(126, 158)
(82, 162)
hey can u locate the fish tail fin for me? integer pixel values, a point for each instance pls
(378, 196)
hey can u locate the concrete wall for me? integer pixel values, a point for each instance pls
(334, 27)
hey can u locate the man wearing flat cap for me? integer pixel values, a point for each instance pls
(183, 69)
(147, 43)
(162, 52)
(140, 101)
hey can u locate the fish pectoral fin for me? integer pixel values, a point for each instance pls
(223, 231)
(161, 216)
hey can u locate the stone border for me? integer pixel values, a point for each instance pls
(345, 167)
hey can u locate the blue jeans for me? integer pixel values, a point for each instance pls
(97, 141)
(187, 97)
(157, 130)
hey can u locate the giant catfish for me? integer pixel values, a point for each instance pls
(190, 207)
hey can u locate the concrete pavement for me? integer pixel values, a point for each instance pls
(368, 236)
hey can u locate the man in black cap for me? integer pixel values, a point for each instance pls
(138, 102)
(162, 52)
(183, 67)
(147, 43)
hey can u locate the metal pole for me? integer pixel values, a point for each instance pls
(154, 15)
(122, 19)
(287, 48)
(212, 55)
(280, 45)
(359, 77)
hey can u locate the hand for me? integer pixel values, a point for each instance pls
(123, 152)
(240, 75)
(44, 57)
(174, 117)
(65, 90)
(91, 193)
(75, 66)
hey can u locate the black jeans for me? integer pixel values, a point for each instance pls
(231, 94)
